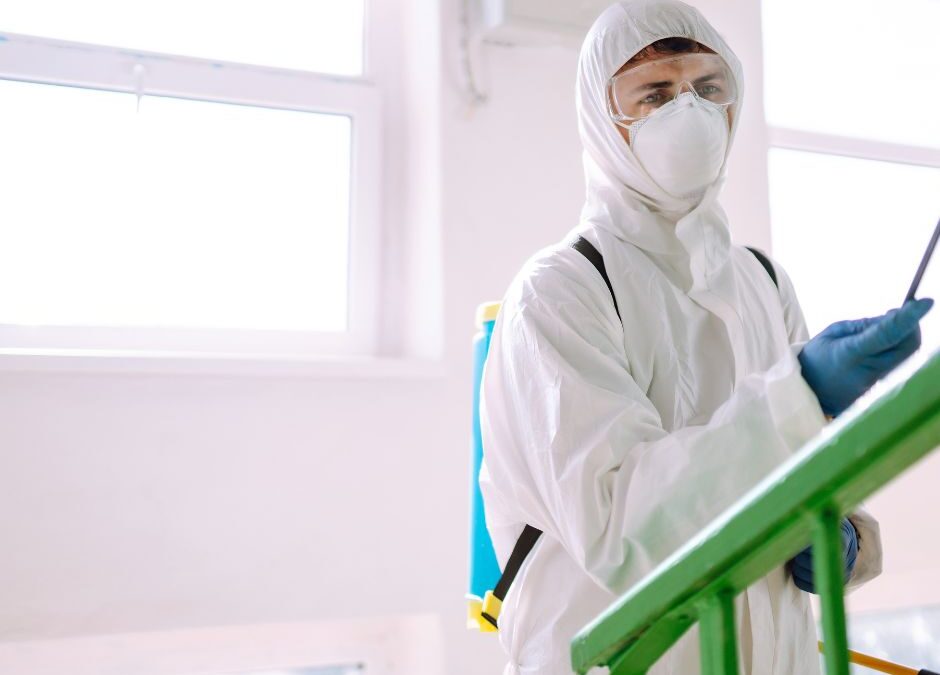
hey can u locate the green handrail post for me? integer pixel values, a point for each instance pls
(719, 646)
(828, 575)
(803, 501)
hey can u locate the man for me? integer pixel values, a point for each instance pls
(621, 420)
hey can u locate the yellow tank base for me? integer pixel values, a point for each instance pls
(475, 619)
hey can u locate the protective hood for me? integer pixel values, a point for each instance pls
(621, 198)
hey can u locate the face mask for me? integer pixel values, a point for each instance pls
(682, 145)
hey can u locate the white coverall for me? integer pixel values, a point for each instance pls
(622, 441)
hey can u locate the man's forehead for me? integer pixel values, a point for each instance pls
(648, 54)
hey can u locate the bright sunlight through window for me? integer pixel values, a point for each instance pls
(318, 35)
(186, 214)
(855, 170)
(851, 232)
(856, 70)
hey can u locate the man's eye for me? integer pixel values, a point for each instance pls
(652, 98)
(709, 90)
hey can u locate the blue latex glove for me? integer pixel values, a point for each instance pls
(801, 566)
(848, 357)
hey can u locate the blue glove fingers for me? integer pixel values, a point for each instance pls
(805, 581)
(889, 359)
(805, 585)
(849, 327)
(802, 575)
(803, 562)
(849, 546)
(891, 329)
(801, 565)
(801, 569)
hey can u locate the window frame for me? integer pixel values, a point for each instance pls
(58, 62)
(850, 146)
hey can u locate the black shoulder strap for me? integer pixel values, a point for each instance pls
(520, 552)
(765, 261)
(530, 534)
(586, 248)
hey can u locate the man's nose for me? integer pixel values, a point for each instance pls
(684, 86)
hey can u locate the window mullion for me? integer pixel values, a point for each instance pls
(50, 61)
(796, 139)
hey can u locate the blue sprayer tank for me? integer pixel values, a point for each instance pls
(484, 569)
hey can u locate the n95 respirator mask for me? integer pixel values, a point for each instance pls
(682, 145)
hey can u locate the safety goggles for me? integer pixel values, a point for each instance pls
(639, 92)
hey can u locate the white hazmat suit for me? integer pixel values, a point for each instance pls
(622, 440)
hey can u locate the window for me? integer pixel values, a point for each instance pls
(854, 163)
(214, 194)
(314, 35)
(909, 636)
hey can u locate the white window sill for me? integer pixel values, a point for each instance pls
(195, 363)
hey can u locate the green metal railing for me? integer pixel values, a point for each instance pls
(804, 500)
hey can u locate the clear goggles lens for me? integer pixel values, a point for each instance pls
(640, 91)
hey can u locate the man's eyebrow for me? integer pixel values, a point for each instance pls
(717, 75)
(651, 85)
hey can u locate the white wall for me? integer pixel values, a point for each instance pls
(149, 502)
